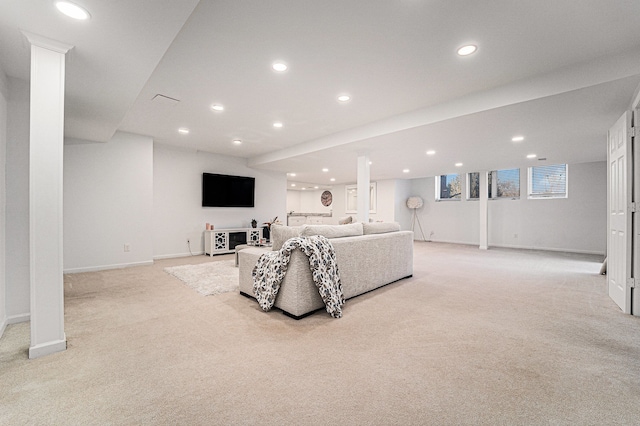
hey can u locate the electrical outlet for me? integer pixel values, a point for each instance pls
(127, 247)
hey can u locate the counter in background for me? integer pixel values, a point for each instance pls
(297, 219)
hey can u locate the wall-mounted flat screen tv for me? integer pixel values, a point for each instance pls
(227, 191)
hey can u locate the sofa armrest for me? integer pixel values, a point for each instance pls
(247, 259)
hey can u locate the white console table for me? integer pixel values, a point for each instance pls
(220, 241)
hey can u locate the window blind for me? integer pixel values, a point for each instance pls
(548, 181)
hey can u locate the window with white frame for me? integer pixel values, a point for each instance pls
(448, 187)
(473, 186)
(504, 184)
(548, 181)
(501, 184)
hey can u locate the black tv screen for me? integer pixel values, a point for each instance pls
(227, 191)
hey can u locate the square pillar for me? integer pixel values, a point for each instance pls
(484, 210)
(364, 184)
(46, 142)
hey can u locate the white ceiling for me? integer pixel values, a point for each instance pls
(558, 72)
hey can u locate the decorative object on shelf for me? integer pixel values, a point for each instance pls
(266, 227)
(326, 198)
(254, 223)
(269, 223)
(414, 203)
(209, 227)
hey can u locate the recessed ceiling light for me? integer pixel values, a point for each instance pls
(467, 50)
(237, 142)
(531, 156)
(406, 171)
(517, 139)
(292, 174)
(458, 164)
(279, 66)
(217, 107)
(183, 131)
(73, 10)
(315, 187)
(370, 162)
(431, 152)
(277, 124)
(325, 170)
(293, 184)
(344, 98)
(332, 179)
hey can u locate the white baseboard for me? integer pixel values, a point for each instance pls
(560, 250)
(464, 243)
(513, 246)
(106, 267)
(13, 319)
(175, 255)
(48, 348)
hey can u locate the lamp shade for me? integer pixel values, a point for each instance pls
(414, 202)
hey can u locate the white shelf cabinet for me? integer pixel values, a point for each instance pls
(220, 241)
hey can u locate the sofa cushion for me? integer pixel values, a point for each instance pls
(345, 220)
(280, 234)
(332, 231)
(380, 227)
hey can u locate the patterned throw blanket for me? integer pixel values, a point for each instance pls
(271, 267)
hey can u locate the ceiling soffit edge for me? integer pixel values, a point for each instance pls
(563, 80)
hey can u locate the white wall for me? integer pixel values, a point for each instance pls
(402, 214)
(293, 202)
(108, 202)
(147, 196)
(386, 201)
(577, 223)
(178, 214)
(4, 96)
(17, 205)
(450, 221)
(390, 197)
(310, 202)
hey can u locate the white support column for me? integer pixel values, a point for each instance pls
(364, 185)
(484, 211)
(46, 140)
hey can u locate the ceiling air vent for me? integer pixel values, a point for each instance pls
(164, 100)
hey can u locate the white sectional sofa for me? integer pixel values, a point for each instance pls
(369, 255)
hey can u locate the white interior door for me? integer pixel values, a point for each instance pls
(620, 177)
(635, 292)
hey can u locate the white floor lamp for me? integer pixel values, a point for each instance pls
(414, 203)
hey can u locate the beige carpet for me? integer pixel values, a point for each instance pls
(498, 337)
(209, 278)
